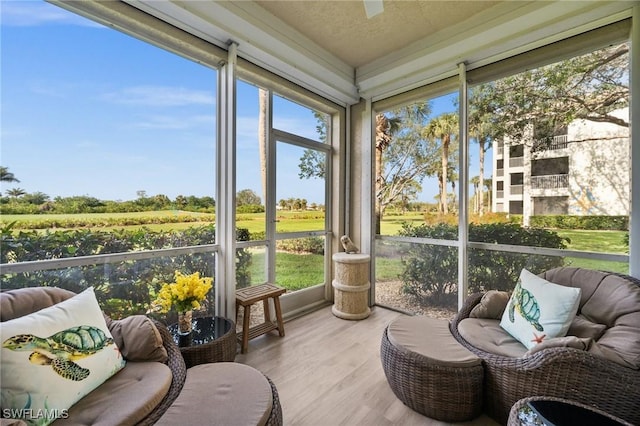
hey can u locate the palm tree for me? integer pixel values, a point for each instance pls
(445, 128)
(475, 181)
(263, 96)
(388, 125)
(384, 129)
(6, 176)
(16, 192)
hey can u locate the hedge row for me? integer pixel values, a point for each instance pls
(430, 272)
(603, 223)
(123, 288)
(107, 222)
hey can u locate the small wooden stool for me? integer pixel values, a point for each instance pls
(250, 295)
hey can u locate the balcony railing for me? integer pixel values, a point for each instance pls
(550, 181)
(516, 189)
(499, 172)
(500, 194)
(558, 142)
(516, 162)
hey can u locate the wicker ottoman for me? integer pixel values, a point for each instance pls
(225, 394)
(429, 371)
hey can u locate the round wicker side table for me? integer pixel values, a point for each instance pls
(213, 339)
(550, 411)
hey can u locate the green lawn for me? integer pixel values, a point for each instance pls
(292, 274)
(596, 241)
(599, 241)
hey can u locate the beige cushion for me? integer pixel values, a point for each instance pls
(430, 337)
(582, 327)
(562, 342)
(24, 301)
(492, 305)
(137, 338)
(610, 300)
(486, 334)
(222, 393)
(12, 422)
(124, 399)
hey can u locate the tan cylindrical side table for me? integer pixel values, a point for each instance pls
(351, 286)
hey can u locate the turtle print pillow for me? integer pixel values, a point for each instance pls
(54, 357)
(539, 310)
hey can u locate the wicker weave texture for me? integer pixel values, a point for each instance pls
(565, 373)
(513, 414)
(275, 418)
(450, 394)
(178, 370)
(222, 349)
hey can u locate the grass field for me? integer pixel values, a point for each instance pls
(289, 267)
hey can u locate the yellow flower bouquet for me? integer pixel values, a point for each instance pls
(185, 294)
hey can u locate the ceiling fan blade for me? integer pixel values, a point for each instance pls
(373, 7)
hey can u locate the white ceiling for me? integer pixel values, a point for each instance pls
(334, 49)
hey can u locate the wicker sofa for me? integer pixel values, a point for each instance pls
(147, 391)
(602, 370)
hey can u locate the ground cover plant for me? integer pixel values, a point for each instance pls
(299, 262)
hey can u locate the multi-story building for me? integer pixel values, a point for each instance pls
(582, 170)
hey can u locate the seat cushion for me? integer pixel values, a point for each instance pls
(487, 335)
(137, 338)
(24, 301)
(430, 337)
(221, 393)
(611, 300)
(124, 399)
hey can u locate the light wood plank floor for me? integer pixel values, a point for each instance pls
(328, 372)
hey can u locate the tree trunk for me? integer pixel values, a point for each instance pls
(262, 140)
(378, 189)
(445, 166)
(382, 142)
(481, 176)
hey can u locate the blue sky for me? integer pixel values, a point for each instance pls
(87, 110)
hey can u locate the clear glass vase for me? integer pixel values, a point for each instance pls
(184, 322)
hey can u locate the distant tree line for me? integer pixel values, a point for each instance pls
(40, 203)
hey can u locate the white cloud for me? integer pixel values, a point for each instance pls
(160, 96)
(170, 122)
(35, 13)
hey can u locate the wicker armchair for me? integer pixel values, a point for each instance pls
(36, 298)
(178, 369)
(559, 372)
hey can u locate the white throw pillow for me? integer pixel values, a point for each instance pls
(54, 357)
(539, 309)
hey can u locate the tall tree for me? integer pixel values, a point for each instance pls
(16, 192)
(247, 197)
(483, 129)
(313, 162)
(6, 176)
(263, 97)
(588, 87)
(445, 129)
(401, 156)
(475, 181)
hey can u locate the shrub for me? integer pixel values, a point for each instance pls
(430, 271)
(610, 223)
(312, 245)
(123, 288)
